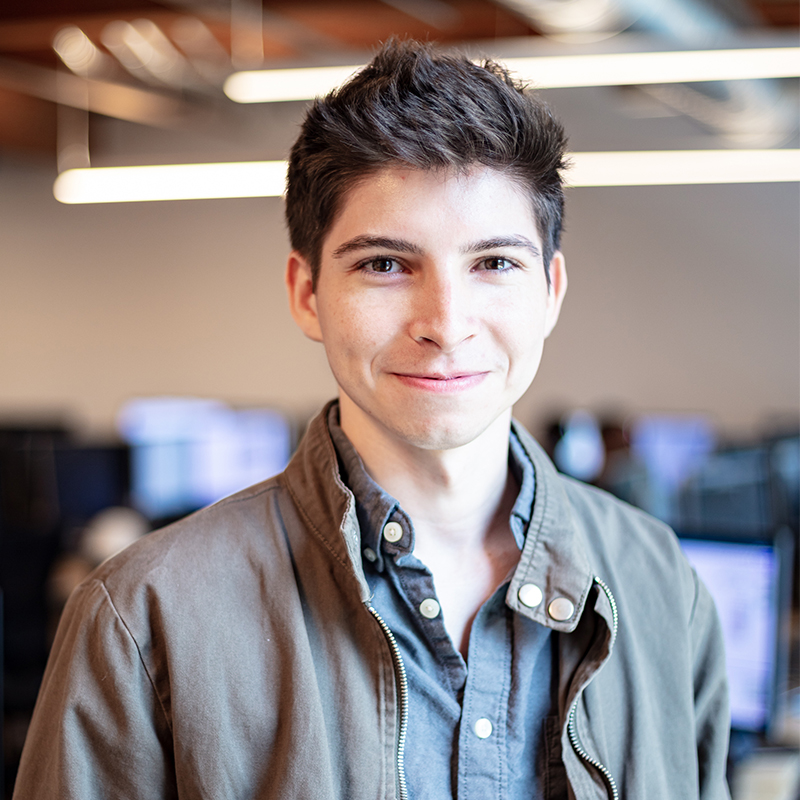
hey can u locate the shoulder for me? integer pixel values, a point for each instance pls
(195, 540)
(614, 527)
(217, 555)
(639, 556)
(616, 537)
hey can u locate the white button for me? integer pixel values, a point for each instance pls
(429, 608)
(392, 532)
(530, 595)
(370, 554)
(483, 728)
(561, 609)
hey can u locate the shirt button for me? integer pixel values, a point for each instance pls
(483, 728)
(370, 554)
(392, 532)
(429, 608)
(561, 609)
(530, 595)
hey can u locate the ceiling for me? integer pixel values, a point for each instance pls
(193, 45)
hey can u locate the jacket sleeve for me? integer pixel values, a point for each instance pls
(98, 730)
(712, 713)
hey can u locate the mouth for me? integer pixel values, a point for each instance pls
(441, 383)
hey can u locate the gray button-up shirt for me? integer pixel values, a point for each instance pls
(482, 728)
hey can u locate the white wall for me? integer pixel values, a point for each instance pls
(680, 299)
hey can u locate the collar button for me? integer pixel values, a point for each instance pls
(530, 595)
(392, 532)
(561, 609)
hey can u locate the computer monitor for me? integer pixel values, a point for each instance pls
(188, 452)
(671, 448)
(750, 582)
(732, 494)
(90, 478)
(785, 462)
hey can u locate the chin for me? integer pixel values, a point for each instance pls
(430, 425)
(430, 433)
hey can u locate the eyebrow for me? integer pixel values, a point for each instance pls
(379, 242)
(402, 246)
(503, 241)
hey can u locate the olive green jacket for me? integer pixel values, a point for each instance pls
(235, 655)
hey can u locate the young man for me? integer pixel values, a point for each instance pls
(419, 606)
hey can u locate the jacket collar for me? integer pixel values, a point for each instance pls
(326, 505)
(554, 557)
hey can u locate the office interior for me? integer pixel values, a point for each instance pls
(143, 344)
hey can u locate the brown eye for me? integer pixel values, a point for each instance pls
(497, 264)
(382, 265)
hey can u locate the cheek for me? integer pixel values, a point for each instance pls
(351, 333)
(525, 356)
(520, 325)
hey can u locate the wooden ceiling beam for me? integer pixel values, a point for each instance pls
(28, 124)
(361, 24)
(35, 36)
(102, 97)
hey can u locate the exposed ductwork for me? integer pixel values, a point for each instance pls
(743, 113)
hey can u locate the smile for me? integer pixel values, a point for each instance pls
(442, 384)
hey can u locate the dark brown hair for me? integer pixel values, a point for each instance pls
(416, 107)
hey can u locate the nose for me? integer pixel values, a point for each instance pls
(442, 311)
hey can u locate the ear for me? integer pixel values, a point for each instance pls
(302, 300)
(556, 291)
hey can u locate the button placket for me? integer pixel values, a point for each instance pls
(482, 743)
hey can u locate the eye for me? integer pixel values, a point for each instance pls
(498, 264)
(382, 265)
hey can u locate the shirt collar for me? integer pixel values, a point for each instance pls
(522, 469)
(376, 507)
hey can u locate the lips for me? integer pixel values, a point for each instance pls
(441, 383)
(439, 376)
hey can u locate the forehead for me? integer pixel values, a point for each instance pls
(436, 204)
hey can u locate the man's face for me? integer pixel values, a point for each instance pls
(432, 303)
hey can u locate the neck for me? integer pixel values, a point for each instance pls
(453, 496)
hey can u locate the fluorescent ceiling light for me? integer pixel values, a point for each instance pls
(171, 182)
(550, 72)
(683, 167)
(275, 85)
(620, 69)
(267, 178)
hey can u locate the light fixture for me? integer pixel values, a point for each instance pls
(275, 85)
(267, 178)
(683, 167)
(549, 72)
(78, 51)
(687, 66)
(171, 182)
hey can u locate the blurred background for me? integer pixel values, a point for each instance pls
(149, 365)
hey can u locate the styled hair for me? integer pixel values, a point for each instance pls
(415, 107)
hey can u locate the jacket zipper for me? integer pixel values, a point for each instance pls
(402, 698)
(571, 730)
